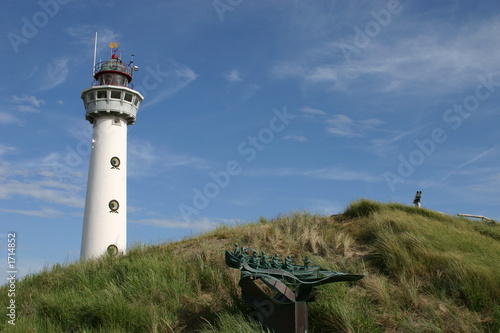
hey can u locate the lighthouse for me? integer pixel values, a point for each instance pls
(111, 105)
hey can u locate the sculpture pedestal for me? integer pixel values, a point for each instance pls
(292, 285)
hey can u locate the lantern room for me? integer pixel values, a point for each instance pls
(114, 72)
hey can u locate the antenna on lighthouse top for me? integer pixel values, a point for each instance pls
(95, 52)
(131, 64)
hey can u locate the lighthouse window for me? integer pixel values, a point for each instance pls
(128, 97)
(136, 101)
(90, 96)
(116, 94)
(101, 94)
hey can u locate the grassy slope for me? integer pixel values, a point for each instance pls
(426, 272)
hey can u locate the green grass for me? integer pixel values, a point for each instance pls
(426, 272)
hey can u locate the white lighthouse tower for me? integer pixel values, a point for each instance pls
(110, 105)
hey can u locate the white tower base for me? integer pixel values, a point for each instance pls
(104, 223)
(110, 109)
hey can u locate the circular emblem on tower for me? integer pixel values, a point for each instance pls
(115, 163)
(112, 250)
(114, 205)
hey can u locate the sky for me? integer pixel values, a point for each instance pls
(252, 109)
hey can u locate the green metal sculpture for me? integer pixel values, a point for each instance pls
(292, 284)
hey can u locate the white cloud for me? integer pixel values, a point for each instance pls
(477, 157)
(200, 224)
(7, 118)
(324, 207)
(323, 73)
(64, 167)
(250, 91)
(40, 179)
(85, 33)
(45, 212)
(471, 160)
(248, 201)
(382, 145)
(490, 183)
(290, 68)
(433, 60)
(27, 103)
(295, 137)
(336, 172)
(32, 100)
(8, 170)
(146, 159)
(342, 125)
(165, 83)
(233, 76)
(6, 149)
(55, 73)
(313, 111)
(46, 191)
(27, 108)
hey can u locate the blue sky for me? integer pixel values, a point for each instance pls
(253, 108)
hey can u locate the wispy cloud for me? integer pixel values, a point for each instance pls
(196, 225)
(338, 172)
(396, 63)
(29, 99)
(5, 149)
(55, 73)
(470, 161)
(146, 159)
(342, 125)
(233, 76)
(247, 201)
(170, 81)
(295, 137)
(398, 137)
(476, 184)
(43, 190)
(335, 172)
(477, 157)
(313, 111)
(45, 212)
(489, 184)
(250, 90)
(55, 166)
(27, 103)
(381, 146)
(38, 179)
(84, 34)
(8, 118)
(324, 207)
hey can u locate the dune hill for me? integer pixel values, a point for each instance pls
(425, 272)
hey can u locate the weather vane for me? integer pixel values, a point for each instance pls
(113, 45)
